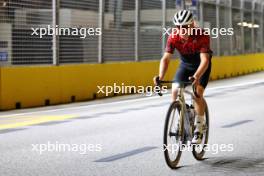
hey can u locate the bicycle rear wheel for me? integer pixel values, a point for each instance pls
(173, 135)
(199, 150)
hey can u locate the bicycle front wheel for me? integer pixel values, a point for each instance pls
(173, 135)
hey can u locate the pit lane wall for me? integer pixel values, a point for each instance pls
(31, 86)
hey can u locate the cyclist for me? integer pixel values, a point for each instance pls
(195, 57)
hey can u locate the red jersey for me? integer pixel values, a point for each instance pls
(199, 43)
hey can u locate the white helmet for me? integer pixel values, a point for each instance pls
(183, 17)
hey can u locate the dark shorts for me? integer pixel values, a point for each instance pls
(183, 73)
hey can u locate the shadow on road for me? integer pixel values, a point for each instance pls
(241, 164)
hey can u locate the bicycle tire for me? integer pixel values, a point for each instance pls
(172, 163)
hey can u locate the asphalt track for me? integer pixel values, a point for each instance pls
(123, 135)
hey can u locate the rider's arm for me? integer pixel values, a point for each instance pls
(164, 63)
(205, 57)
(165, 60)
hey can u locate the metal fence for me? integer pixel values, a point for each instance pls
(131, 30)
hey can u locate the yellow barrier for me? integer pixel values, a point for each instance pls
(229, 66)
(29, 86)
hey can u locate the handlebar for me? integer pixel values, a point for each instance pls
(160, 82)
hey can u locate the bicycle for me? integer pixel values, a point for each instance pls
(182, 130)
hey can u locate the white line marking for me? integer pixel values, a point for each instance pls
(236, 85)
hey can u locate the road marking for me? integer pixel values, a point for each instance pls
(236, 85)
(36, 120)
(51, 120)
(122, 101)
(126, 154)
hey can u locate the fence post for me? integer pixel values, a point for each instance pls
(231, 26)
(164, 17)
(137, 28)
(218, 26)
(262, 26)
(201, 11)
(55, 38)
(252, 29)
(242, 27)
(101, 26)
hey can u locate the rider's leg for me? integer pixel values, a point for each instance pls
(174, 91)
(199, 104)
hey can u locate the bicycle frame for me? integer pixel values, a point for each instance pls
(184, 116)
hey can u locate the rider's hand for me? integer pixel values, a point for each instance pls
(195, 80)
(156, 80)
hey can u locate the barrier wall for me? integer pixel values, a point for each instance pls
(30, 86)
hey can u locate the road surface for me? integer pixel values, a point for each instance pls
(123, 135)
